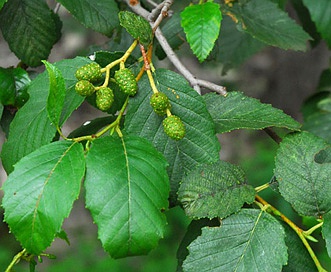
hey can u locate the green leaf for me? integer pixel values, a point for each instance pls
(2, 2)
(317, 115)
(31, 127)
(200, 145)
(57, 92)
(306, 22)
(237, 111)
(298, 256)
(266, 22)
(39, 193)
(233, 47)
(92, 127)
(127, 191)
(202, 25)
(137, 27)
(324, 156)
(7, 86)
(13, 83)
(215, 190)
(251, 240)
(30, 28)
(193, 231)
(326, 231)
(320, 13)
(303, 182)
(101, 15)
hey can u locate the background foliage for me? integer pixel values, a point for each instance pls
(126, 169)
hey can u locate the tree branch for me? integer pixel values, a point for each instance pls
(194, 82)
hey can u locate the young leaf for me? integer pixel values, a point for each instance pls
(30, 28)
(320, 13)
(200, 145)
(202, 25)
(251, 240)
(237, 111)
(127, 191)
(31, 127)
(137, 27)
(39, 193)
(57, 92)
(326, 231)
(266, 22)
(303, 182)
(215, 190)
(101, 16)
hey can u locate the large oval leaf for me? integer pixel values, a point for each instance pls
(99, 15)
(265, 21)
(238, 111)
(303, 182)
(215, 190)
(40, 192)
(251, 240)
(30, 28)
(127, 191)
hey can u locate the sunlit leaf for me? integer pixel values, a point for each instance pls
(201, 24)
(127, 191)
(39, 193)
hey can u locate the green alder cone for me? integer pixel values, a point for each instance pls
(84, 88)
(104, 98)
(126, 81)
(137, 27)
(160, 103)
(90, 72)
(174, 127)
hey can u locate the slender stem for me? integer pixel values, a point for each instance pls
(15, 260)
(293, 226)
(151, 81)
(273, 135)
(262, 187)
(312, 229)
(120, 61)
(145, 58)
